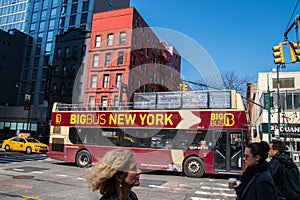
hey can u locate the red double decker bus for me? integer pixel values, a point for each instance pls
(192, 132)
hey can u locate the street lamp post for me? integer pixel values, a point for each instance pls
(27, 99)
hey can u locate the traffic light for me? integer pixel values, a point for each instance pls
(278, 54)
(183, 87)
(27, 102)
(26, 105)
(180, 87)
(294, 51)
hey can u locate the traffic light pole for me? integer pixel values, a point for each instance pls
(294, 24)
(278, 102)
(201, 84)
(269, 111)
(28, 117)
(30, 93)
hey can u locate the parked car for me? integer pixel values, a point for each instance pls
(27, 144)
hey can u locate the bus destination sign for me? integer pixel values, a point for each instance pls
(117, 119)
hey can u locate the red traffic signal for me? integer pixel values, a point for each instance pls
(27, 102)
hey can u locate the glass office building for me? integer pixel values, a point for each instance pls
(48, 18)
(13, 14)
(43, 20)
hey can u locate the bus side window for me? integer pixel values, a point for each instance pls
(182, 144)
(156, 142)
(74, 137)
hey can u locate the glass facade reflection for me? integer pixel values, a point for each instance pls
(13, 14)
(48, 18)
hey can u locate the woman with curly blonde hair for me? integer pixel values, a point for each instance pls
(115, 176)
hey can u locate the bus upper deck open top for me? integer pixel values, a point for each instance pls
(194, 132)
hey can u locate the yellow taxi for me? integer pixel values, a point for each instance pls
(27, 144)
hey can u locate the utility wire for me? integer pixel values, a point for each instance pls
(287, 27)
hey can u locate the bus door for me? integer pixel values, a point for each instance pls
(228, 151)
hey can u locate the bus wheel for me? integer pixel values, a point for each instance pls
(194, 167)
(83, 158)
(7, 147)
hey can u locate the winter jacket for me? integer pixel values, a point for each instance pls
(132, 196)
(260, 187)
(285, 174)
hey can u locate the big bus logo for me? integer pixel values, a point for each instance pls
(222, 119)
(57, 118)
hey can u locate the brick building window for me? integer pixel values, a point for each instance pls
(95, 60)
(98, 41)
(107, 59)
(93, 81)
(92, 101)
(122, 37)
(110, 38)
(120, 57)
(106, 81)
(119, 80)
(104, 102)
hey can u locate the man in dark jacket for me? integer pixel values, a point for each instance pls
(284, 171)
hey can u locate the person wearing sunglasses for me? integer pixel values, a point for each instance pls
(256, 181)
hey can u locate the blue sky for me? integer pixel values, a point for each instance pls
(238, 35)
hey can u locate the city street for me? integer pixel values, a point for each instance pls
(37, 177)
(206, 89)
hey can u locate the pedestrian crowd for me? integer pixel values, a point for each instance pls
(279, 179)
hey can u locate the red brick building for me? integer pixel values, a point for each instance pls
(125, 56)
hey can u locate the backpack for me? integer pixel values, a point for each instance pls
(291, 182)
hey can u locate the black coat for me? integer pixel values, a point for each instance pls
(132, 196)
(287, 185)
(260, 187)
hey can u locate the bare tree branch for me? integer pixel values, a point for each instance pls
(231, 81)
